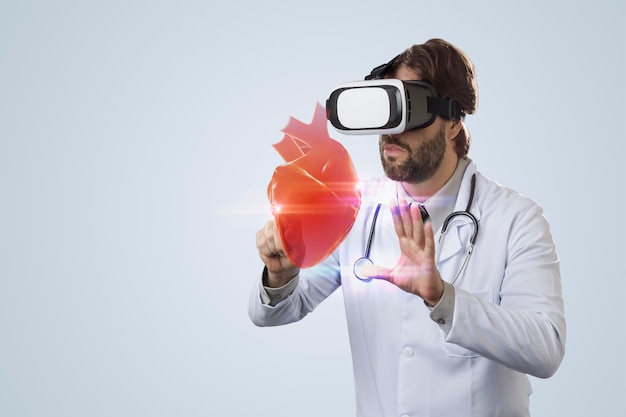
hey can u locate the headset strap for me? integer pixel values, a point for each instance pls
(444, 107)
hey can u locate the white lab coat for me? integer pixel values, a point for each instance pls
(507, 321)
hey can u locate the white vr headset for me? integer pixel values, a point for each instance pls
(386, 106)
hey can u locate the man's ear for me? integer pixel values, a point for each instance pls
(453, 129)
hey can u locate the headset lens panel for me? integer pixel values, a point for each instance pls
(365, 108)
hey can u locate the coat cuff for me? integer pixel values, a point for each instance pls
(273, 296)
(443, 312)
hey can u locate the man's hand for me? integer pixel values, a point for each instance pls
(416, 270)
(280, 270)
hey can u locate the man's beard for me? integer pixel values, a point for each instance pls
(422, 162)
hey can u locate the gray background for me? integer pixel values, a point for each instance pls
(135, 150)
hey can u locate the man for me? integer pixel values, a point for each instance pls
(436, 328)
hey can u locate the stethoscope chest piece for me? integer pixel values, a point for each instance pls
(359, 265)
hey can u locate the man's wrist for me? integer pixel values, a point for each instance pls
(432, 302)
(273, 280)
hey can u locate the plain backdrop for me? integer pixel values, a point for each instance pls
(135, 152)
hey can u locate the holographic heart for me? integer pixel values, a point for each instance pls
(314, 196)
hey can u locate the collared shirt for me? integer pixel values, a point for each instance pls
(440, 204)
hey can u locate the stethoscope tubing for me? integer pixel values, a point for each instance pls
(366, 260)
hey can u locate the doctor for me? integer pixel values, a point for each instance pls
(438, 326)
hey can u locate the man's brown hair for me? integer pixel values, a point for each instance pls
(450, 72)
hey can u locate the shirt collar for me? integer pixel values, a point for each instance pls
(442, 203)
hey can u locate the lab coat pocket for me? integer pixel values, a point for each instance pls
(457, 351)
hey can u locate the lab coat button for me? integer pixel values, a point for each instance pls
(407, 352)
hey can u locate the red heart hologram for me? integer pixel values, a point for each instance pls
(314, 196)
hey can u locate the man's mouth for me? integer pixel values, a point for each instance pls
(393, 149)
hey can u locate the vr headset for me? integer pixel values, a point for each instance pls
(379, 106)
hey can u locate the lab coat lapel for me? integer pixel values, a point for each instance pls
(456, 240)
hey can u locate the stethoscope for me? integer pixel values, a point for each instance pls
(365, 260)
